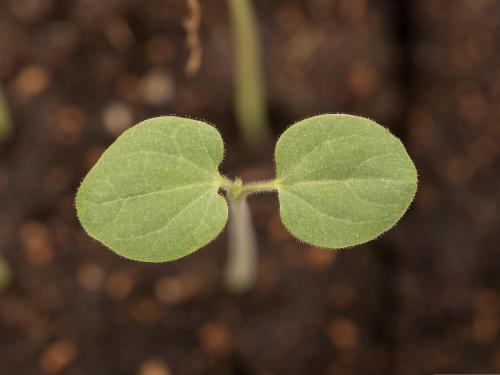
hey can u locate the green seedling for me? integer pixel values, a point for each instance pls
(156, 194)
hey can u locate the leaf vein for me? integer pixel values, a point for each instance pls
(349, 179)
(321, 212)
(306, 156)
(124, 199)
(167, 224)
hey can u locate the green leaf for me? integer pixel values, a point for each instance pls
(342, 180)
(153, 195)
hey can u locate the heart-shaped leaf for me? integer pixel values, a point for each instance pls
(342, 180)
(153, 194)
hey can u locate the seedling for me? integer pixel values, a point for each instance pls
(156, 194)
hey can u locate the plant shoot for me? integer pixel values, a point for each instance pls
(156, 194)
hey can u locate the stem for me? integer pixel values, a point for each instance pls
(250, 105)
(241, 267)
(5, 121)
(5, 274)
(237, 190)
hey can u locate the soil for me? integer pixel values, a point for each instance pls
(423, 298)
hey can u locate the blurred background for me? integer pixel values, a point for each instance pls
(424, 298)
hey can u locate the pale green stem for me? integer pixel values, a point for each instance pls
(5, 275)
(5, 129)
(249, 98)
(241, 267)
(5, 121)
(238, 190)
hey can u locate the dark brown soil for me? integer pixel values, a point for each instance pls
(422, 299)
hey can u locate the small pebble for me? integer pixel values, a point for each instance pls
(36, 243)
(215, 338)
(154, 366)
(117, 118)
(58, 356)
(90, 277)
(157, 87)
(119, 33)
(178, 289)
(320, 259)
(343, 334)
(119, 285)
(485, 329)
(32, 80)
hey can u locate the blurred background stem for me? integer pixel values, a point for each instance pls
(5, 129)
(4, 274)
(5, 121)
(249, 96)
